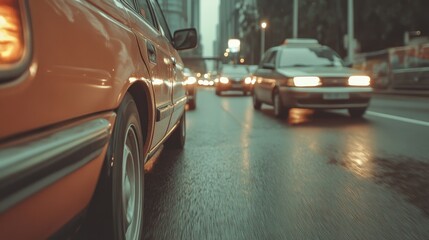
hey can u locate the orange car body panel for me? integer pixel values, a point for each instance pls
(85, 56)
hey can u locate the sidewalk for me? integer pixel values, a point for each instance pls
(413, 93)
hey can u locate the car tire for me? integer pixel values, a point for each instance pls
(218, 93)
(116, 211)
(256, 103)
(192, 104)
(244, 93)
(178, 137)
(356, 112)
(279, 110)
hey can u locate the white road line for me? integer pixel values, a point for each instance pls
(401, 119)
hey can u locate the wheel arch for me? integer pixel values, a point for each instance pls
(141, 93)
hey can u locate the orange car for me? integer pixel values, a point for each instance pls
(89, 91)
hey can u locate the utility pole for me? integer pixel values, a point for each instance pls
(295, 18)
(350, 34)
(263, 27)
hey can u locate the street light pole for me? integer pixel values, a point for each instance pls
(295, 18)
(263, 26)
(350, 34)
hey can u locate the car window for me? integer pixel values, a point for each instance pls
(163, 26)
(266, 56)
(272, 58)
(144, 11)
(235, 69)
(303, 57)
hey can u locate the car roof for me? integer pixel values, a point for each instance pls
(300, 43)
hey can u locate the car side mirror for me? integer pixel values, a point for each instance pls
(268, 66)
(185, 38)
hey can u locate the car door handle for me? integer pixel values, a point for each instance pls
(151, 52)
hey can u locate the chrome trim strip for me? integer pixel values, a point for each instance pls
(181, 102)
(31, 166)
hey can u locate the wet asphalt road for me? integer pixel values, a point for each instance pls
(246, 175)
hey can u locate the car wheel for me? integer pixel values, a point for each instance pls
(357, 112)
(192, 104)
(117, 208)
(279, 110)
(178, 137)
(218, 92)
(256, 103)
(244, 93)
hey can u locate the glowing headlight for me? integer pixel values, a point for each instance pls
(11, 34)
(224, 80)
(190, 81)
(253, 80)
(306, 81)
(361, 81)
(248, 80)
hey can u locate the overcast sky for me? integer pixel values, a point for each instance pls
(209, 18)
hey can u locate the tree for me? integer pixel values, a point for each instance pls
(378, 24)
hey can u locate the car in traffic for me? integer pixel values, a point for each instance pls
(301, 73)
(234, 77)
(190, 82)
(89, 92)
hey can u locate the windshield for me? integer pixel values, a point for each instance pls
(235, 70)
(309, 57)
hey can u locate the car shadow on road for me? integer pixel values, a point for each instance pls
(316, 118)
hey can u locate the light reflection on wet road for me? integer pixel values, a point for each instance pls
(246, 175)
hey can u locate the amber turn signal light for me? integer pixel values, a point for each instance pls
(11, 33)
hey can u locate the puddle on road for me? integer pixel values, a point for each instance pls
(406, 176)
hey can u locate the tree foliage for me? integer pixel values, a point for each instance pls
(378, 24)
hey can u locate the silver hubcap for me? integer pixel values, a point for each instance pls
(132, 189)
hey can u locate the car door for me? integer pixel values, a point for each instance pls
(154, 49)
(265, 77)
(178, 95)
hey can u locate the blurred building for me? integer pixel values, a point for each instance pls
(184, 14)
(230, 18)
(228, 23)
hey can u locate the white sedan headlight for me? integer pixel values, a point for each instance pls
(360, 81)
(306, 81)
(248, 80)
(224, 80)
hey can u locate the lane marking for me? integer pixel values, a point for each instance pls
(401, 119)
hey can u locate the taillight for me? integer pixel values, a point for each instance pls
(14, 39)
(11, 33)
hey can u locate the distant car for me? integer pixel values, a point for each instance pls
(89, 92)
(191, 88)
(301, 73)
(234, 78)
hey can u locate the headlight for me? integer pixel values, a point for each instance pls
(190, 81)
(361, 81)
(253, 80)
(224, 80)
(248, 80)
(11, 33)
(306, 81)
